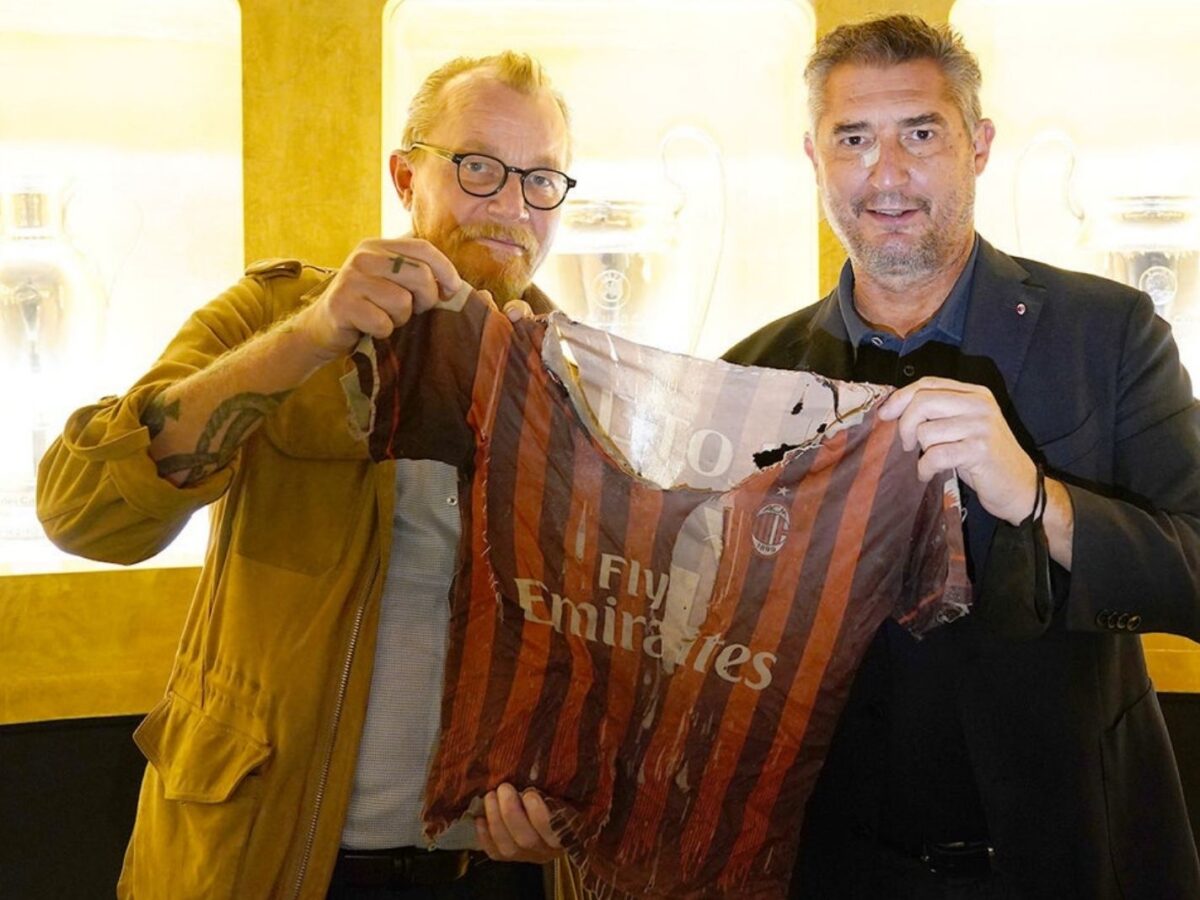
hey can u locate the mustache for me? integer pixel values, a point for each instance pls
(889, 201)
(523, 238)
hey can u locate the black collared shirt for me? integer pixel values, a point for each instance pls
(885, 358)
(904, 703)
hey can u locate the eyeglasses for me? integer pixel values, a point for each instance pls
(481, 175)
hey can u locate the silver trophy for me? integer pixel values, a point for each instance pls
(51, 317)
(1150, 242)
(645, 268)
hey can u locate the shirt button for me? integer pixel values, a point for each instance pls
(877, 341)
(452, 501)
(1020, 309)
(909, 371)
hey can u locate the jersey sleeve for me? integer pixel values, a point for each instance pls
(935, 589)
(410, 394)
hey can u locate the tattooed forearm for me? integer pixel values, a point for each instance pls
(156, 413)
(230, 412)
(226, 430)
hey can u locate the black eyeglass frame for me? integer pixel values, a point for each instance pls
(457, 159)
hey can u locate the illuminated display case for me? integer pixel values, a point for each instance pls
(1097, 170)
(695, 220)
(121, 175)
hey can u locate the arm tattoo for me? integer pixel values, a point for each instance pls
(227, 428)
(156, 413)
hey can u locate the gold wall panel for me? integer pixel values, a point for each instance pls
(313, 80)
(1174, 663)
(84, 644)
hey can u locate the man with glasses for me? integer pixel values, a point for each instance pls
(288, 757)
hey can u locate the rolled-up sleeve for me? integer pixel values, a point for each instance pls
(99, 494)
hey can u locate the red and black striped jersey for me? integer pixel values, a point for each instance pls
(670, 570)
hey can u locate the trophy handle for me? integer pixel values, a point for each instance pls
(104, 225)
(705, 284)
(1049, 138)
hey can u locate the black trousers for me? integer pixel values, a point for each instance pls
(896, 877)
(484, 879)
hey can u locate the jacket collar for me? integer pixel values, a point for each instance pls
(1002, 313)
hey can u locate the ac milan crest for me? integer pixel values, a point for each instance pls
(770, 529)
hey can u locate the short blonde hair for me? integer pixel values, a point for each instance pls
(516, 70)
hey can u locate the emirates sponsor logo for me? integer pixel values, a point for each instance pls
(770, 529)
(667, 628)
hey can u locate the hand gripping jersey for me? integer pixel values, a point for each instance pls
(670, 569)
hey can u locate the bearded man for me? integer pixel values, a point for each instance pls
(1019, 751)
(288, 756)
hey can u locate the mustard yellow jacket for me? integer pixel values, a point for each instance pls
(253, 747)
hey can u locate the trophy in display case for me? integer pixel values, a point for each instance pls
(51, 320)
(1148, 240)
(1151, 243)
(645, 268)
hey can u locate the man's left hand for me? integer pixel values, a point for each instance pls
(959, 426)
(516, 827)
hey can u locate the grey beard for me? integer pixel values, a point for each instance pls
(902, 266)
(890, 264)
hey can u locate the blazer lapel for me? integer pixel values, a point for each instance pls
(1004, 310)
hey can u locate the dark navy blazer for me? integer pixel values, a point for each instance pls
(1070, 756)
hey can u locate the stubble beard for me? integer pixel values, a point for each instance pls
(902, 264)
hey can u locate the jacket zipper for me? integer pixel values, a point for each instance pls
(337, 717)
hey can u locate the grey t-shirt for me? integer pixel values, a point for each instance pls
(404, 708)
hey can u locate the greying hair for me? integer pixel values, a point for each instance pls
(519, 71)
(889, 41)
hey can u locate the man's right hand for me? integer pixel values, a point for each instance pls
(197, 425)
(379, 287)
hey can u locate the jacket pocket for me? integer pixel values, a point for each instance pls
(200, 798)
(298, 514)
(198, 758)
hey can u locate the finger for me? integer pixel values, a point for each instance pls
(367, 317)
(397, 302)
(895, 405)
(539, 817)
(899, 401)
(505, 846)
(516, 820)
(374, 308)
(941, 458)
(947, 430)
(962, 408)
(516, 310)
(415, 250)
(485, 839)
(410, 273)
